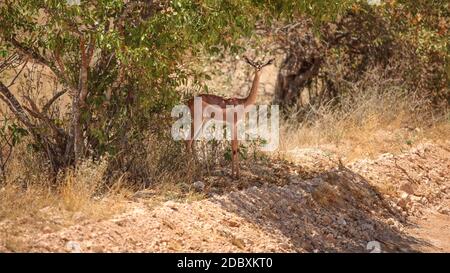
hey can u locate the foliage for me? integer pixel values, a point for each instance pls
(408, 42)
(10, 135)
(122, 61)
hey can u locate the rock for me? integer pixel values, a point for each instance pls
(415, 199)
(230, 223)
(330, 238)
(391, 222)
(199, 186)
(294, 179)
(408, 188)
(367, 227)
(47, 229)
(238, 242)
(97, 249)
(404, 200)
(424, 200)
(144, 194)
(73, 247)
(327, 220)
(404, 195)
(78, 217)
(307, 246)
(402, 204)
(342, 222)
(366, 236)
(443, 210)
(217, 173)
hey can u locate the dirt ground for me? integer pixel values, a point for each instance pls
(401, 203)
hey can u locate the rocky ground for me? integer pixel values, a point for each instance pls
(394, 204)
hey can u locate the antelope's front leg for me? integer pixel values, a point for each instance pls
(234, 158)
(235, 154)
(237, 159)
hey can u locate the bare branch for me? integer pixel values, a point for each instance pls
(86, 57)
(36, 114)
(17, 75)
(36, 56)
(61, 66)
(83, 72)
(14, 106)
(9, 61)
(116, 84)
(32, 104)
(27, 51)
(52, 100)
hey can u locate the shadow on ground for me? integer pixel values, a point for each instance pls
(335, 210)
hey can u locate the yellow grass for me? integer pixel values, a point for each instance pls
(30, 204)
(370, 125)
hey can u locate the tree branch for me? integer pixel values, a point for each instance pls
(34, 111)
(86, 57)
(15, 106)
(17, 75)
(52, 100)
(36, 56)
(8, 62)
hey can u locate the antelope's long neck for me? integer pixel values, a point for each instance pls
(251, 98)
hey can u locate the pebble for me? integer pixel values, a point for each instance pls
(408, 188)
(199, 186)
(342, 222)
(47, 229)
(73, 247)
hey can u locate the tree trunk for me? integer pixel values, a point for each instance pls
(78, 102)
(293, 78)
(76, 126)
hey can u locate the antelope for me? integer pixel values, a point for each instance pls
(212, 104)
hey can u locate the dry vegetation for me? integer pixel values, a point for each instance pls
(372, 114)
(372, 122)
(369, 122)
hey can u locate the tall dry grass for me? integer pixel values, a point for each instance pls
(373, 118)
(31, 201)
(77, 190)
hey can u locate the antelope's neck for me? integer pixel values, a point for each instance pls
(251, 98)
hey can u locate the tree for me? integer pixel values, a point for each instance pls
(407, 40)
(121, 61)
(100, 51)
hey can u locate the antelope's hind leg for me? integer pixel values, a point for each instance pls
(235, 154)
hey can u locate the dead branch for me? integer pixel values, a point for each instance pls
(49, 103)
(14, 106)
(18, 74)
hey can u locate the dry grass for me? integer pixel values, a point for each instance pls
(31, 203)
(83, 190)
(29, 192)
(372, 121)
(368, 124)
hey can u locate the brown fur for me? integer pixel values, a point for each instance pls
(220, 102)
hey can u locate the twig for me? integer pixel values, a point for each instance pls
(52, 100)
(17, 75)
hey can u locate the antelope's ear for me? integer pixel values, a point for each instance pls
(247, 60)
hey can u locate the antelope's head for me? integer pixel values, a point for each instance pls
(258, 65)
